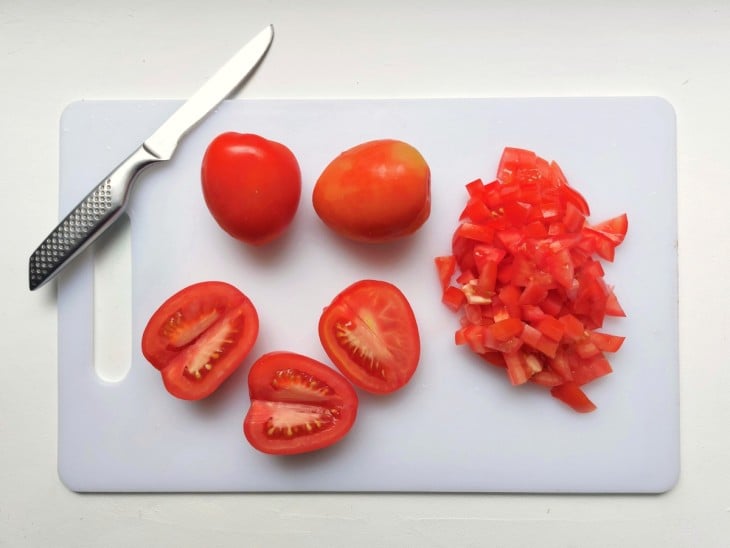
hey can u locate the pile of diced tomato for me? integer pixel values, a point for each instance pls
(526, 278)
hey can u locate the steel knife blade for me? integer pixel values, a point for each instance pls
(107, 201)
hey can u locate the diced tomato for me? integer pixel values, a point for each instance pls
(560, 266)
(517, 213)
(615, 228)
(445, 266)
(475, 189)
(547, 378)
(530, 286)
(535, 229)
(551, 327)
(606, 342)
(484, 253)
(476, 211)
(553, 303)
(572, 394)
(472, 231)
(531, 336)
(613, 308)
(561, 365)
(585, 370)
(600, 243)
(494, 358)
(547, 347)
(517, 369)
(465, 277)
(574, 218)
(534, 293)
(532, 313)
(472, 335)
(512, 160)
(488, 277)
(506, 329)
(573, 328)
(586, 348)
(453, 297)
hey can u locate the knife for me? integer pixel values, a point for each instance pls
(108, 200)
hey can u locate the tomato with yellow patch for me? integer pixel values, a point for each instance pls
(375, 192)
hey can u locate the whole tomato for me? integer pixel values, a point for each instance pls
(375, 192)
(251, 186)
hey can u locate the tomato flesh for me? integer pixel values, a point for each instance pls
(370, 333)
(198, 337)
(527, 265)
(298, 405)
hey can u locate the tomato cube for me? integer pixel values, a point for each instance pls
(453, 298)
(551, 327)
(571, 394)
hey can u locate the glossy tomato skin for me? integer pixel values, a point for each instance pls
(370, 333)
(251, 186)
(298, 405)
(375, 192)
(199, 336)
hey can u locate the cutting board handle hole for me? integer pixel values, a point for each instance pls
(113, 302)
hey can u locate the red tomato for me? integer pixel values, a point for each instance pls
(297, 404)
(370, 333)
(251, 186)
(375, 192)
(198, 337)
(531, 293)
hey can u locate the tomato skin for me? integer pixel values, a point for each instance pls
(375, 192)
(370, 333)
(284, 385)
(571, 394)
(251, 186)
(208, 323)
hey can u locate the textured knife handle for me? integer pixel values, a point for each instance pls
(87, 221)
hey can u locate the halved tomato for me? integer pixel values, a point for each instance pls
(297, 404)
(370, 333)
(198, 337)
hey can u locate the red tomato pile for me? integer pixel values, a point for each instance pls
(525, 275)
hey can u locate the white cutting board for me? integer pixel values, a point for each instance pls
(459, 425)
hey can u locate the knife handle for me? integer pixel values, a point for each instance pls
(88, 220)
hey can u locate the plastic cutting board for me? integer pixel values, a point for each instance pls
(458, 426)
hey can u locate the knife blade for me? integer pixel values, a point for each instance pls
(103, 205)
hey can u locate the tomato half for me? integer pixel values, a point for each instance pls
(375, 192)
(370, 333)
(251, 186)
(198, 337)
(297, 404)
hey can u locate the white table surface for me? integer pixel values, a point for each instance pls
(53, 53)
